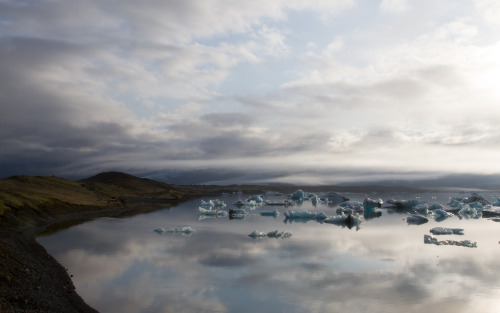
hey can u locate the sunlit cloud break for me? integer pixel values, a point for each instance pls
(277, 92)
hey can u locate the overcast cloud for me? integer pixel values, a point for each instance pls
(282, 91)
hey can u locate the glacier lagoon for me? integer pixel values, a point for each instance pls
(381, 265)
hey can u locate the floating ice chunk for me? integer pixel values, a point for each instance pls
(333, 197)
(272, 234)
(497, 203)
(314, 200)
(345, 220)
(159, 230)
(274, 213)
(298, 195)
(279, 203)
(442, 214)
(446, 231)
(233, 212)
(491, 212)
(369, 203)
(251, 203)
(212, 203)
(305, 215)
(469, 212)
(350, 209)
(212, 212)
(428, 239)
(239, 203)
(255, 198)
(416, 220)
(278, 234)
(401, 204)
(257, 234)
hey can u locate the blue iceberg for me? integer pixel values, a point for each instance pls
(446, 231)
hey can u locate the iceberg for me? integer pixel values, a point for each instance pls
(416, 220)
(442, 214)
(272, 234)
(333, 197)
(212, 203)
(369, 203)
(469, 212)
(400, 204)
(345, 220)
(305, 215)
(298, 195)
(428, 239)
(446, 231)
(491, 212)
(212, 212)
(496, 203)
(159, 230)
(279, 203)
(255, 198)
(187, 230)
(274, 213)
(233, 212)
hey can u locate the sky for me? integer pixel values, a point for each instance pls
(221, 91)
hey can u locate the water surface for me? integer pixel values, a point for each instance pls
(122, 265)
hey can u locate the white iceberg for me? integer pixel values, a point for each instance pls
(212, 212)
(345, 220)
(446, 231)
(428, 239)
(187, 230)
(272, 234)
(305, 215)
(255, 198)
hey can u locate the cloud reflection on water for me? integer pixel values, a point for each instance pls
(383, 267)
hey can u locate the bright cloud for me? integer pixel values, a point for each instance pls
(300, 85)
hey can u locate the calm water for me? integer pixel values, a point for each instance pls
(122, 265)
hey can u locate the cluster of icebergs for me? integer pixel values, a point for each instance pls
(353, 213)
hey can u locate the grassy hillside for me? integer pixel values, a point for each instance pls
(24, 196)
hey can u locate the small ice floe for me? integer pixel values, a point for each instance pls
(446, 231)
(279, 203)
(305, 215)
(400, 204)
(416, 219)
(212, 212)
(333, 197)
(239, 203)
(491, 212)
(212, 204)
(428, 239)
(350, 207)
(274, 213)
(238, 211)
(187, 230)
(298, 195)
(345, 220)
(468, 212)
(369, 203)
(440, 215)
(272, 234)
(257, 198)
(496, 203)
(160, 230)
(474, 200)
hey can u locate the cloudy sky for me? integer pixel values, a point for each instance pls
(245, 91)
